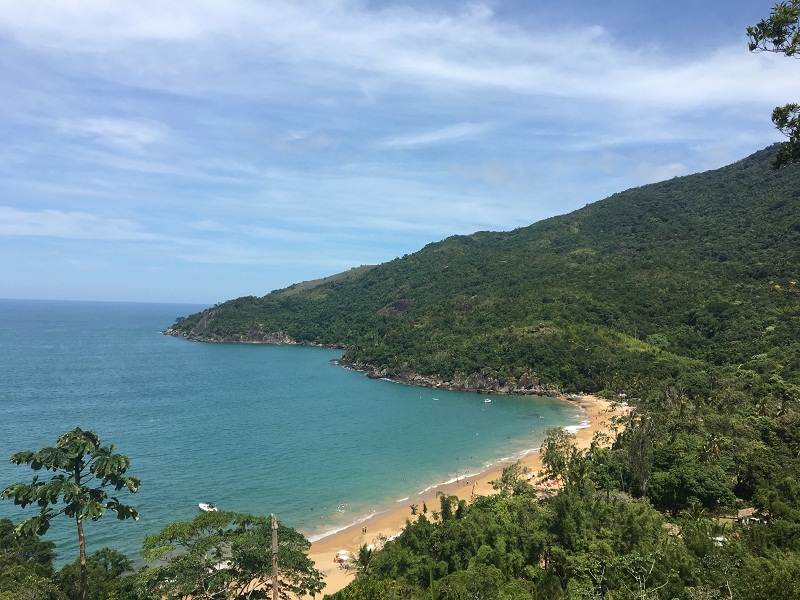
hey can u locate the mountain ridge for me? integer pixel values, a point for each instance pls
(673, 276)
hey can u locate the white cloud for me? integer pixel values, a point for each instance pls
(649, 173)
(504, 173)
(94, 24)
(72, 225)
(209, 45)
(125, 133)
(208, 225)
(451, 133)
(251, 127)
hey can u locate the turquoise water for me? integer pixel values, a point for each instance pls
(257, 429)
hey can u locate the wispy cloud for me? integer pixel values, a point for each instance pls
(126, 133)
(71, 225)
(451, 133)
(649, 173)
(292, 133)
(209, 46)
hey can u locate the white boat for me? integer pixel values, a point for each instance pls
(487, 400)
(207, 506)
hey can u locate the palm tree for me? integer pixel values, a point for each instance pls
(363, 559)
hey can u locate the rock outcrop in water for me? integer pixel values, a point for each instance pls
(484, 382)
(197, 334)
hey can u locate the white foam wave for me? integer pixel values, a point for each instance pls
(576, 428)
(335, 530)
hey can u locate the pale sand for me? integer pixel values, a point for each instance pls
(598, 414)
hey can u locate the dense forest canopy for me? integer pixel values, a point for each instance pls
(688, 275)
(682, 295)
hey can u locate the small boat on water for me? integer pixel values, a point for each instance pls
(487, 400)
(207, 506)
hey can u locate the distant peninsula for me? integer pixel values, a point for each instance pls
(685, 277)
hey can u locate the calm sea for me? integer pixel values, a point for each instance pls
(256, 429)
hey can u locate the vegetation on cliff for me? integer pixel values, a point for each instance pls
(691, 275)
(682, 294)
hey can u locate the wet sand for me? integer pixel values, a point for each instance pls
(387, 524)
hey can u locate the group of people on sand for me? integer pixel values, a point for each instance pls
(343, 558)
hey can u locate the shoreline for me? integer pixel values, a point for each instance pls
(389, 523)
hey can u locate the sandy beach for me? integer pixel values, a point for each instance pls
(383, 525)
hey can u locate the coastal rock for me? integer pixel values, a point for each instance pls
(527, 382)
(484, 382)
(197, 334)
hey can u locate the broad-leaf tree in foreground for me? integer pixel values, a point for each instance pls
(780, 33)
(83, 471)
(227, 555)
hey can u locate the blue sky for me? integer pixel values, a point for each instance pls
(201, 151)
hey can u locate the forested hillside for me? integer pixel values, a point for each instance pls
(682, 295)
(684, 276)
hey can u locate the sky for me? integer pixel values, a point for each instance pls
(201, 151)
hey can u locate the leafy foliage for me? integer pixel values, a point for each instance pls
(83, 470)
(227, 555)
(26, 566)
(79, 462)
(509, 546)
(583, 543)
(110, 577)
(780, 33)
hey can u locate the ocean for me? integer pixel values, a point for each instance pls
(254, 428)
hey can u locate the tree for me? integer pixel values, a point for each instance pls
(780, 33)
(109, 572)
(513, 480)
(83, 470)
(363, 559)
(26, 550)
(558, 451)
(227, 555)
(26, 566)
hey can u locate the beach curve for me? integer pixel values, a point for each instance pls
(372, 529)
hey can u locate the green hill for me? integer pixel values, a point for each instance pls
(681, 294)
(675, 279)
